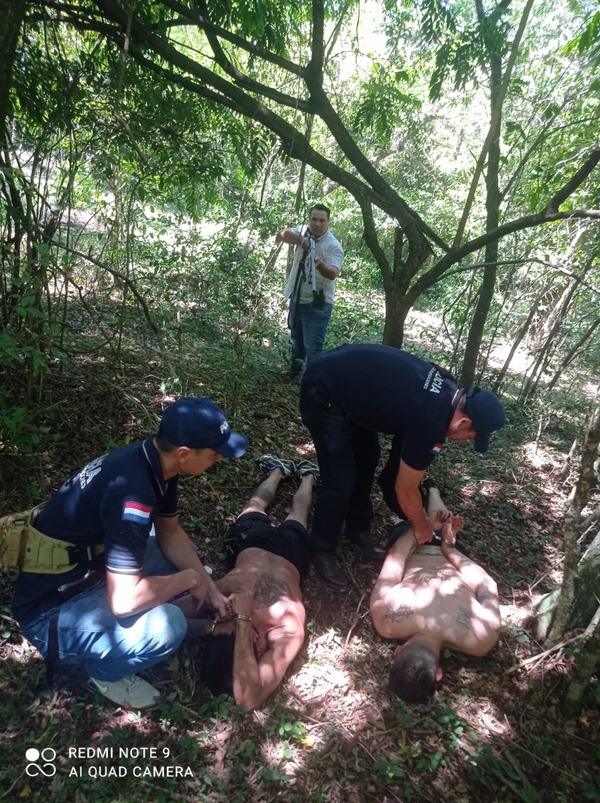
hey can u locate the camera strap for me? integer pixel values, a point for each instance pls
(298, 279)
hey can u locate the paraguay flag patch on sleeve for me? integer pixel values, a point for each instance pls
(134, 511)
(436, 449)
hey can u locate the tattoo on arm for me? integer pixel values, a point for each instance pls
(464, 618)
(270, 589)
(401, 613)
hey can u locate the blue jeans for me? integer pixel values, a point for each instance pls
(348, 456)
(307, 330)
(89, 634)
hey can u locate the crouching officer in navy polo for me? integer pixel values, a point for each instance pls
(101, 593)
(349, 395)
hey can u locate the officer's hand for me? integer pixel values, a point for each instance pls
(423, 536)
(439, 518)
(216, 601)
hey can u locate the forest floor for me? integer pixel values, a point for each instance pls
(493, 732)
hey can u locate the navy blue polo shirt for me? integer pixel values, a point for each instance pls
(114, 501)
(388, 390)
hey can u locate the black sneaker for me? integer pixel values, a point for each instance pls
(304, 468)
(267, 464)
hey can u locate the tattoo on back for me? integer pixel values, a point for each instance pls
(464, 618)
(401, 613)
(269, 589)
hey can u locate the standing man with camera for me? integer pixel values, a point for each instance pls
(317, 263)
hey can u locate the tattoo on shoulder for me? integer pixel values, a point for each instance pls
(464, 618)
(270, 589)
(401, 613)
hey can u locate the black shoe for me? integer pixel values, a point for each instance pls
(326, 566)
(369, 553)
(429, 482)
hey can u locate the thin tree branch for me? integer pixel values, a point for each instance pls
(494, 123)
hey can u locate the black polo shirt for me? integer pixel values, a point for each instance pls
(388, 390)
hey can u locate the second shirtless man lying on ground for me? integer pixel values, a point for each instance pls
(249, 655)
(432, 597)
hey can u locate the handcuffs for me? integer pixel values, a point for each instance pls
(217, 621)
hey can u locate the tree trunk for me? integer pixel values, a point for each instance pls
(492, 204)
(585, 600)
(585, 667)
(13, 13)
(396, 312)
(486, 294)
(522, 331)
(577, 501)
(587, 586)
(543, 358)
(572, 353)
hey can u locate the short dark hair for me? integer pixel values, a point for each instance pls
(321, 208)
(164, 446)
(216, 670)
(412, 676)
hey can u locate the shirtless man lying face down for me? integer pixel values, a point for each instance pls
(432, 596)
(248, 656)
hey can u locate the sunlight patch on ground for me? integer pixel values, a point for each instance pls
(484, 717)
(490, 488)
(515, 615)
(519, 362)
(306, 451)
(541, 457)
(321, 675)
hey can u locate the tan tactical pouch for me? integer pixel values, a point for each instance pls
(24, 548)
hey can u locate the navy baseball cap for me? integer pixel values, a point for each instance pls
(486, 413)
(198, 423)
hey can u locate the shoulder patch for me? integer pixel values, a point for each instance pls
(134, 511)
(436, 449)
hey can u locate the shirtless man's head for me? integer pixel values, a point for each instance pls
(432, 597)
(415, 670)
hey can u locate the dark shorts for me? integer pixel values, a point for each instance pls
(402, 526)
(290, 540)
